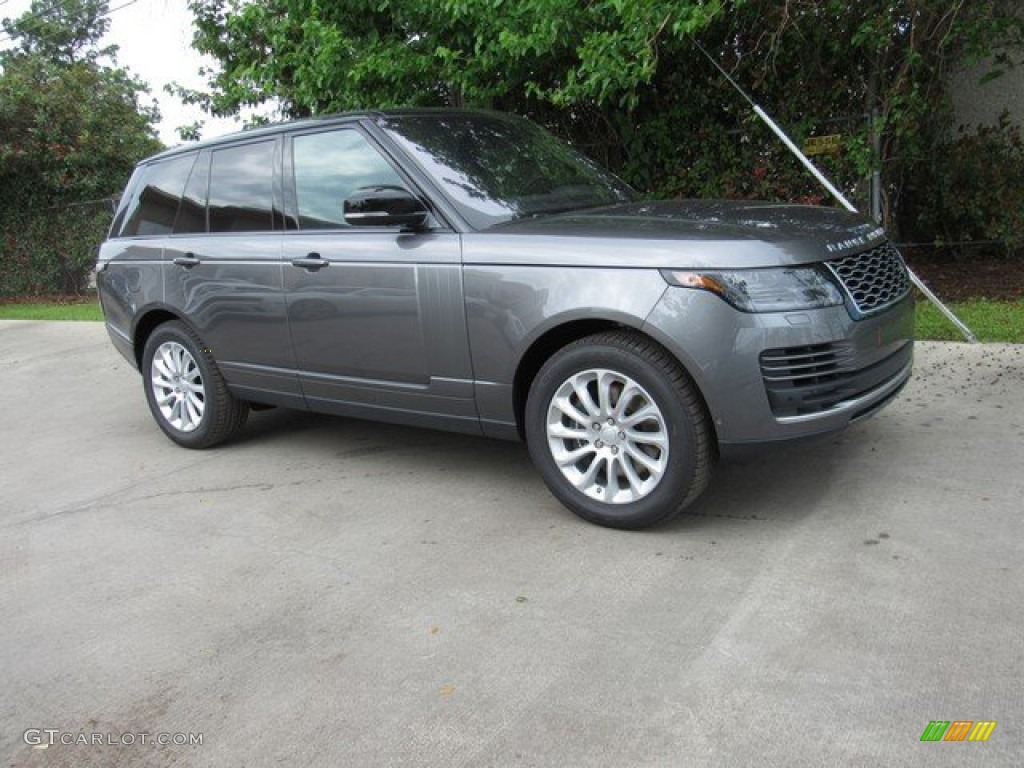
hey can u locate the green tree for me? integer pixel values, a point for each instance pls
(581, 69)
(812, 62)
(623, 80)
(61, 31)
(311, 56)
(71, 129)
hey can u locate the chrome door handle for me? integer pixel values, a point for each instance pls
(312, 261)
(187, 261)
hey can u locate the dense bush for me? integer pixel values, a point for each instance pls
(71, 129)
(51, 251)
(976, 190)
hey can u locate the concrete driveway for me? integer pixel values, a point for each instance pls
(339, 593)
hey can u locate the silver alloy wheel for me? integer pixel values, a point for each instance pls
(607, 436)
(178, 386)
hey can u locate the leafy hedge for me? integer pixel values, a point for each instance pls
(977, 190)
(71, 130)
(51, 251)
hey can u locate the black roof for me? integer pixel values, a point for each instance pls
(272, 129)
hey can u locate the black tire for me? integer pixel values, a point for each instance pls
(681, 424)
(222, 414)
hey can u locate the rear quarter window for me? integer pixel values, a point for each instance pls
(153, 196)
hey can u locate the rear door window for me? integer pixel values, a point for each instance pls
(192, 213)
(241, 197)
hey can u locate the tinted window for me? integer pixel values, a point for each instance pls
(129, 199)
(192, 212)
(241, 195)
(329, 166)
(498, 167)
(154, 202)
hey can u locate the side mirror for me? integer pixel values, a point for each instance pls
(385, 207)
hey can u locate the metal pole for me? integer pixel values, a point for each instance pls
(876, 162)
(942, 307)
(850, 207)
(831, 188)
(804, 159)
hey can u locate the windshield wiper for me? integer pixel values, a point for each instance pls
(562, 209)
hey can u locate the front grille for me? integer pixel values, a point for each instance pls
(872, 279)
(814, 379)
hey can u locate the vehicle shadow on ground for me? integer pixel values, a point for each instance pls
(785, 484)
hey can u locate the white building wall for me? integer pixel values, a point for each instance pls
(976, 104)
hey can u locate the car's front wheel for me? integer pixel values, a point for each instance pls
(185, 391)
(618, 431)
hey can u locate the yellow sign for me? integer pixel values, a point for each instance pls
(823, 145)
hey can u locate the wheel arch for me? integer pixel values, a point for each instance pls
(148, 322)
(552, 340)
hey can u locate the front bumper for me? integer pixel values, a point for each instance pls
(787, 375)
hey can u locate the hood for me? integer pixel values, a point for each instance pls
(703, 219)
(685, 233)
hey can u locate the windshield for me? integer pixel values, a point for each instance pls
(496, 167)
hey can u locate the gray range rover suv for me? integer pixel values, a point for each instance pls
(467, 271)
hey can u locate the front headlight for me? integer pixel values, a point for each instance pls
(776, 289)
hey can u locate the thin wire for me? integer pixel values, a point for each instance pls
(724, 73)
(64, 206)
(110, 12)
(949, 244)
(28, 17)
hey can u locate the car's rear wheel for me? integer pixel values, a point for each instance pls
(186, 393)
(618, 431)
